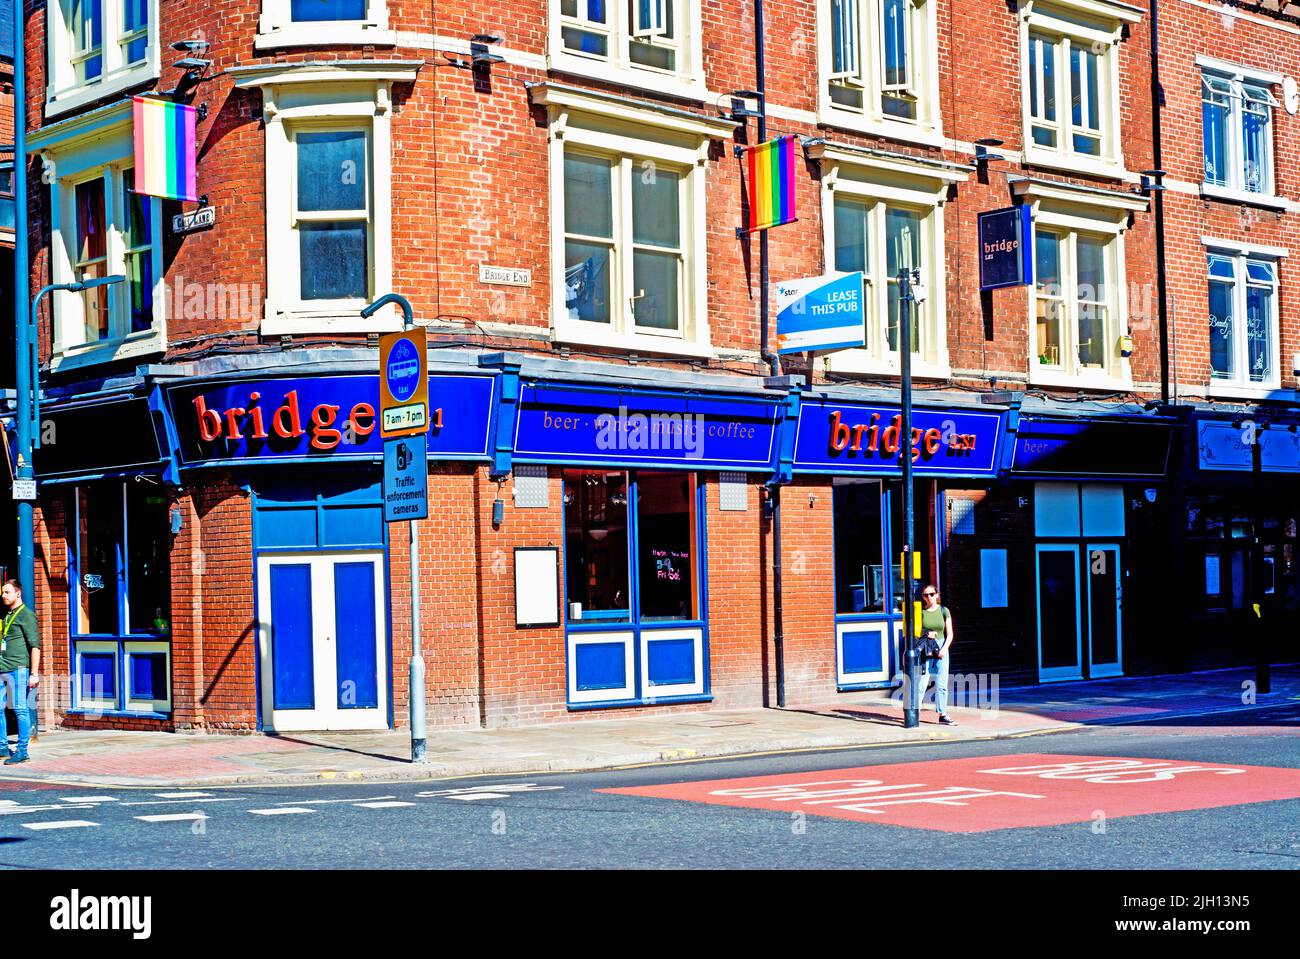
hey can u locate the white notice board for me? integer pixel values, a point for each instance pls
(537, 586)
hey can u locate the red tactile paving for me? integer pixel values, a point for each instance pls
(190, 760)
(984, 793)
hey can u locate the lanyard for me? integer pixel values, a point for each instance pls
(9, 620)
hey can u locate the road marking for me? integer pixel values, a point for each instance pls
(172, 817)
(88, 799)
(59, 824)
(171, 802)
(181, 795)
(383, 805)
(979, 794)
(280, 811)
(485, 791)
(15, 810)
(314, 802)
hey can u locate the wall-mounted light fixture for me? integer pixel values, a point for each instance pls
(984, 150)
(1151, 182)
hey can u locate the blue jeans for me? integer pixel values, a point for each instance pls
(13, 692)
(937, 668)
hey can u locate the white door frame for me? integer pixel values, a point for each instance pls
(1058, 673)
(1104, 670)
(326, 715)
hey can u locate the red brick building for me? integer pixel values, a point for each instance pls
(555, 188)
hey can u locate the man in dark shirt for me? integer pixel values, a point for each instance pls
(20, 665)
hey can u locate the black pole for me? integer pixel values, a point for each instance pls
(1263, 670)
(1162, 282)
(912, 690)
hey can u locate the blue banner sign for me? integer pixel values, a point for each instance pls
(1092, 447)
(835, 437)
(325, 417)
(1222, 446)
(406, 479)
(559, 424)
(1006, 245)
(821, 313)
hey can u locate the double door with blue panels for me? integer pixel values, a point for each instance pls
(322, 641)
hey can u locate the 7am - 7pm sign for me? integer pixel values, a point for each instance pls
(403, 383)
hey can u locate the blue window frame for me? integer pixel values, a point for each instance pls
(120, 597)
(635, 587)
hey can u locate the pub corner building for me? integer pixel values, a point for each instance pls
(212, 551)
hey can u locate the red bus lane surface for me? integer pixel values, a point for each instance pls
(984, 793)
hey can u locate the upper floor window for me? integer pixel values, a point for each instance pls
(863, 231)
(878, 65)
(1076, 327)
(331, 214)
(628, 228)
(625, 265)
(111, 230)
(1237, 133)
(293, 23)
(639, 42)
(328, 170)
(1070, 83)
(97, 48)
(1243, 318)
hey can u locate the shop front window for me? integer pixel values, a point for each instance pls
(1219, 538)
(633, 564)
(599, 547)
(859, 549)
(121, 597)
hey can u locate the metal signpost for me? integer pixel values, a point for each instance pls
(404, 425)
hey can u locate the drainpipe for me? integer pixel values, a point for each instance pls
(1162, 282)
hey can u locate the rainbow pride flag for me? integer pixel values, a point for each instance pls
(164, 148)
(771, 183)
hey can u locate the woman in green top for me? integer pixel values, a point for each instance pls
(936, 622)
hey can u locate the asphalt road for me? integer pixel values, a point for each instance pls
(568, 821)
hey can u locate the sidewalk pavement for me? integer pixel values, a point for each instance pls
(138, 759)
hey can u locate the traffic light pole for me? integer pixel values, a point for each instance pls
(912, 690)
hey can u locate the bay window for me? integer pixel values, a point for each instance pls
(883, 215)
(1070, 83)
(1243, 322)
(648, 43)
(1237, 132)
(120, 596)
(878, 66)
(628, 233)
(96, 48)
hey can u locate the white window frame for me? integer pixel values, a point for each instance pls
(98, 144)
(1240, 386)
(63, 92)
(882, 181)
(1239, 78)
(685, 80)
(865, 71)
(1065, 209)
(277, 29)
(343, 95)
(1068, 297)
(1097, 25)
(635, 134)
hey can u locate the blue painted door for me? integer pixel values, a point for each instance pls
(323, 641)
